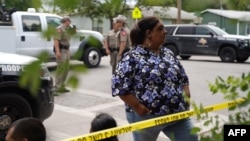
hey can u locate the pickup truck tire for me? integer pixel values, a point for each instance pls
(12, 108)
(92, 57)
(227, 54)
(241, 59)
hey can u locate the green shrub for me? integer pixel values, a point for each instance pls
(232, 89)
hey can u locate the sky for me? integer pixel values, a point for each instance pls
(131, 2)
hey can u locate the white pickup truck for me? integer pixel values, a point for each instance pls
(21, 33)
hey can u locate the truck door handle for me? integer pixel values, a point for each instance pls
(22, 38)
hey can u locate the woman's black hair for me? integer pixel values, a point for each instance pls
(103, 121)
(138, 32)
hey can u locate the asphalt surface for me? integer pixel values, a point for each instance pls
(75, 110)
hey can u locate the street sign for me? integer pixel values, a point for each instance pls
(136, 13)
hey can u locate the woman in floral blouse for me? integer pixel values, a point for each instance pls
(152, 83)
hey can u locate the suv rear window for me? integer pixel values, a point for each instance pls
(185, 30)
(170, 29)
(201, 31)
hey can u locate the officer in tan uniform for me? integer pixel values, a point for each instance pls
(117, 41)
(111, 46)
(123, 35)
(61, 49)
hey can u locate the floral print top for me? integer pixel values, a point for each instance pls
(155, 79)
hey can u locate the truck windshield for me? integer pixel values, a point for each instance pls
(53, 21)
(218, 31)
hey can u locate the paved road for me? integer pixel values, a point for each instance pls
(75, 110)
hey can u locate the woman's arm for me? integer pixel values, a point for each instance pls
(133, 102)
(186, 90)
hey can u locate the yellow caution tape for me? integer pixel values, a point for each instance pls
(151, 122)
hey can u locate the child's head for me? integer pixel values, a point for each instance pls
(103, 121)
(26, 129)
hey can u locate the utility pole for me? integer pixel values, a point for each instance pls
(179, 3)
(221, 9)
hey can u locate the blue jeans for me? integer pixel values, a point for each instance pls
(176, 131)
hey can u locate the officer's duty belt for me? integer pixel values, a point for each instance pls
(112, 49)
(61, 46)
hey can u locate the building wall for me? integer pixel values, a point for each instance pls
(229, 25)
(245, 28)
(81, 22)
(208, 18)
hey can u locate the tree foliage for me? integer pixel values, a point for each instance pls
(95, 9)
(68, 6)
(232, 88)
(163, 3)
(22, 5)
(200, 5)
(243, 5)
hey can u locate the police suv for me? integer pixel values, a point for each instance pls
(21, 33)
(188, 40)
(16, 101)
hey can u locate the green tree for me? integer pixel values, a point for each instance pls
(157, 2)
(232, 88)
(200, 5)
(238, 5)
(95, 9)
(22, 5)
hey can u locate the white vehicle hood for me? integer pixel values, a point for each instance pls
(87, 33)
(15, 59)
(236, 36)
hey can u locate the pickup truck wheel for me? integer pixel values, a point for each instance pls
(227, 54)
(241, 59)
(173, 49)
(92, 57)
(185, 57)
(12, 108)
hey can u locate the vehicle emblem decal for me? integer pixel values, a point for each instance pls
(203, 41)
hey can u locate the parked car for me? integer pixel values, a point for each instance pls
(188, 40)
(16, 101)
(22, 31)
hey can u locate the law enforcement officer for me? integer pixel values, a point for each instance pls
(117, 41)
(111, 46)
(61, 48)
(123, 35)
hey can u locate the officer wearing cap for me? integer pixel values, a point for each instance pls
(111, 45)
(61, 49)
(117, 41)
(123, 35)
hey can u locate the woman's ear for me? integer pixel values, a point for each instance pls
(148, 32)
